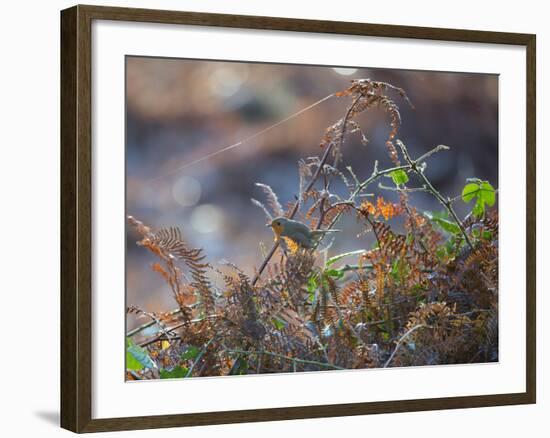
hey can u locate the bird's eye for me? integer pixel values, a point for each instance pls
(278, 224)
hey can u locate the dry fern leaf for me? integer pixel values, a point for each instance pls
(171, 241)
(272, 199)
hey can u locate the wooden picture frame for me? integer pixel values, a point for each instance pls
(76, 217)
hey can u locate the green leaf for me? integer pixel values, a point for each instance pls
(444, 224)
(399, 270)
(450, 246)
(482, 190)
(137, 357)
(479, 208)
(191, 352)
(278, 323)
(470, 191)
(399, 177)
(312, 284)
(338, 257)
(335, 273)
(487, 193)
(132, 363)
(441, 252)
(448, 226)
(175, 373)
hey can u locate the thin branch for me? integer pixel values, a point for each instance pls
(159, 337)
(339, 204)
(401, 340)
(400, 189)
(142, 327)
(428, 154)
(162, 326)
(199, 356)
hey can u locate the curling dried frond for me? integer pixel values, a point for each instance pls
(168, 244)
(333, 212)
(263, 207)
(304, 172)
(170, 240)
(369, 94)
(272, 199)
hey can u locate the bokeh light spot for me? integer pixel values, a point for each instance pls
(226, 81)
(186, 191)
(207, 218)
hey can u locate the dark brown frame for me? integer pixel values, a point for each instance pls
(76, 238)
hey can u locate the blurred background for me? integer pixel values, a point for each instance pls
(181, 110)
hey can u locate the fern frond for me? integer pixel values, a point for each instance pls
(272, 199)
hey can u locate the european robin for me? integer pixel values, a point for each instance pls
(297, 232)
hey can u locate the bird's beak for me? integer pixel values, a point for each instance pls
(268, 225)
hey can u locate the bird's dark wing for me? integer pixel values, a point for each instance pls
(301, 228)
(302, 239)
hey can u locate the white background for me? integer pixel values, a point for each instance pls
(29, 279)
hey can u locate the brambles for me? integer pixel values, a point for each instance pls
(425, 293)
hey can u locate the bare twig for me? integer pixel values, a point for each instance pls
(142, 327)
(199, 357)
(401, 340)
(154, 319)
(438, 148)
(402, 189)
(159, 336)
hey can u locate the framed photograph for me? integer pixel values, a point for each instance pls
(268, 219)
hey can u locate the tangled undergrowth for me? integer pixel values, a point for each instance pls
(424, 296)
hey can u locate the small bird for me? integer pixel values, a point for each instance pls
(297, 232)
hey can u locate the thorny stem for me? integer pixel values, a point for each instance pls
(446, 202)
(308, 188)
(402, 189)
(375, 175)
